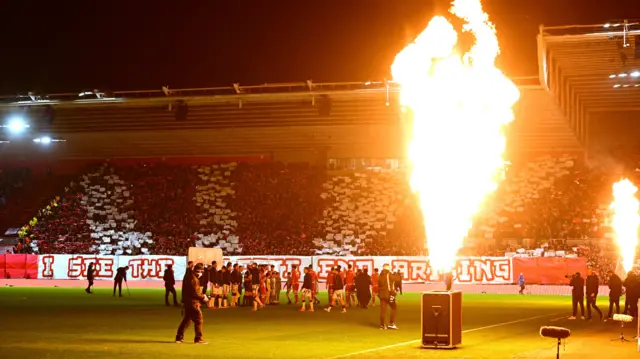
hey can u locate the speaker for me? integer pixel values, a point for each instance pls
(441, 317)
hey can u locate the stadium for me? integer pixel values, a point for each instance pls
(316, 175)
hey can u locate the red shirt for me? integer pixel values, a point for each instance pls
(295, 277)
(351, 277)
(374, 279)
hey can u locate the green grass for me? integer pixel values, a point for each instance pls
(68, 323)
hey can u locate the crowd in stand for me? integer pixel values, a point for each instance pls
(276, 209)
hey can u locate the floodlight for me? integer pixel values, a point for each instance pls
(17, 125)
(635, 73)
(45, 140)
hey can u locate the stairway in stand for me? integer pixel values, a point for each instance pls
(25, 202)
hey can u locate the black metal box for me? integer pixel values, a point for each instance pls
(441, 319)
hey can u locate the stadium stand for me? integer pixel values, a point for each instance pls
(548, 206)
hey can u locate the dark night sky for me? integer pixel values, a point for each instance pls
(57, 46)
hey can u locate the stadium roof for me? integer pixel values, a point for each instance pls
(591, 68)
(364, 121)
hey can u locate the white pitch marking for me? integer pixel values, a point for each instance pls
(464, 331)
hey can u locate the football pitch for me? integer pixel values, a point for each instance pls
(68, 323)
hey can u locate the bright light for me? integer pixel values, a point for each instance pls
(622, 75)
(626, 220)
(17, 125)
(460, 105)
(635, 74)
(616, 86)
(606, 25)
(612, 76)
(45, 140)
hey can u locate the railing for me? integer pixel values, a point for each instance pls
(309, 87)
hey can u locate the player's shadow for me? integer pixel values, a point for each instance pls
(135, 341)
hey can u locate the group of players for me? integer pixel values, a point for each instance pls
(260, 285)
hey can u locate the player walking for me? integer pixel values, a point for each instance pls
(287, 286)
(350, 281)
(295, 281)
(307, 290)
(330, 278)
(314, 278)
(338, 292)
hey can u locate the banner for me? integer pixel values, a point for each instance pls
(148, 267)
(548, 270)
(472, 270)
(19, 266)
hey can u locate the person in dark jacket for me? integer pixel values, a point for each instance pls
(615, 291)
(363, 282)
(192, 297)
(307, 290)
(213, 274)
(338, 291)
(169, 285)
(630, 285)
(399, 282)
(204, 280)
(387, 287)
(188, 271)
(236, 285)
(90, 275)
(121, 274)
(249, 295)
(577, 294)
(255, 278)
(593, 284)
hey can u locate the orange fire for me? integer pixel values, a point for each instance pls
(460, 106)
(626, 220)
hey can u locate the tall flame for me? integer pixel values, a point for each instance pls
(626, 220)
(460, 106)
